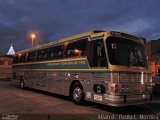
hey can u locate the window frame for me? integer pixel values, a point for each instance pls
(90, 53)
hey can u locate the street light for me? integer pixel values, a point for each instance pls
(33, 36)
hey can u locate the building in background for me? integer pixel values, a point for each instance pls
(6, 64)
(153, 52)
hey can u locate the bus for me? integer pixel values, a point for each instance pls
(106, 67)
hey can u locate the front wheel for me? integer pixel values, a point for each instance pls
(77, 94)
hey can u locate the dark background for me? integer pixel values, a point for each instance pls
(56, 19)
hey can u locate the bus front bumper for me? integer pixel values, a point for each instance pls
(125, 100)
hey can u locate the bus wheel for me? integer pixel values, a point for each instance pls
(77, 94)
(22, 84)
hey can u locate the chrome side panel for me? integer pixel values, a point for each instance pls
(60, 82)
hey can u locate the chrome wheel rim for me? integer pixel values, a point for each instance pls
(77, 94)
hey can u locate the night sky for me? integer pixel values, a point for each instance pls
(56, 19)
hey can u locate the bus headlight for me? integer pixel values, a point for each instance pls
(125, 88)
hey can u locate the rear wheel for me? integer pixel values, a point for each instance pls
(77, 94)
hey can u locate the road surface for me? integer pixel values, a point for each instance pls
(29, 104)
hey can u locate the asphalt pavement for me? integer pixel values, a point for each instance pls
(29, 104)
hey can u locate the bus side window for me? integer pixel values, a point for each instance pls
(76, 48)
(15, 59)
(31, 56)
(56, 52)
(22, 58)
(42, 54)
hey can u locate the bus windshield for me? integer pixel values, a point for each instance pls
(122, 51)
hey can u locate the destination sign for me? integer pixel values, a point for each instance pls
(119, 34)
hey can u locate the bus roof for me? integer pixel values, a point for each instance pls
(83, 35)
(93, 33)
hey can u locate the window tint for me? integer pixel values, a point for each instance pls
(42, 54)
(32, 56)
(22, 58)
(56, 52)
(15, 59)
(76, 48)
(125, 52)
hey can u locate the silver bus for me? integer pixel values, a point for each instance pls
(106, 67)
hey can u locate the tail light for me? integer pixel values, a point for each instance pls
(116, 88)
(138, 88)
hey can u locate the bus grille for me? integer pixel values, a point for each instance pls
(134, 77)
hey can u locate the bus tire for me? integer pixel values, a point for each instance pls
(22, 84)
(77, 94)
